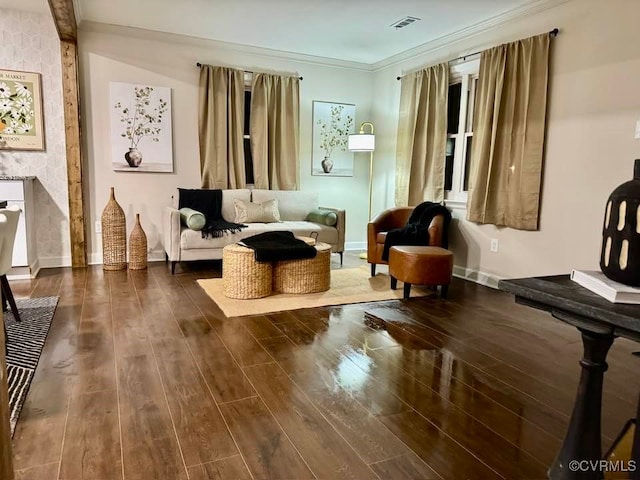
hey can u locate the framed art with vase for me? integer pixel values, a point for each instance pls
(141, 137)
(332, 124)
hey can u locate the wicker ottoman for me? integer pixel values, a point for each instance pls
(242, 276)
(420, 266)
(309, 275)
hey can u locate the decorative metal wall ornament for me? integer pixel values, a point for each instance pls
(620, 256)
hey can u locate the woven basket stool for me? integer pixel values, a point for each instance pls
(242, 276)
(309, 275)
(420, 266)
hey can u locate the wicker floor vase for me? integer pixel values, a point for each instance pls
(137, 247)
(114, 235)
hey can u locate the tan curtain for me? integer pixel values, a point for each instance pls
(507, 148)
(220, 124)
(422, 136)
(275, 105)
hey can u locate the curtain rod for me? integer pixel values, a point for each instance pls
(552, 33)
(246, 71)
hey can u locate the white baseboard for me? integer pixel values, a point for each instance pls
(96, 258)
(476, 276)
(348, 246)
(52, 262)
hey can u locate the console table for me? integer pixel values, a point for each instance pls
(600, 322)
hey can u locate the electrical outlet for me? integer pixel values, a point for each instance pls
(98, 227)
(638, 130)
(494, 245)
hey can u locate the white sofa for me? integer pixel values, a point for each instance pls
(182, 244)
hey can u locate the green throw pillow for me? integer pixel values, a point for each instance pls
(192, 219)
(323, 217)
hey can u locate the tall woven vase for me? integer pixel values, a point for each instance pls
(137, 247)
(114, 236)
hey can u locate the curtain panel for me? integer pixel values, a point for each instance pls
(220, 127)
(274, 128)
(508, 141)
(422, 136)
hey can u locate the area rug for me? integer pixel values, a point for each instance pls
(25, 341)
(350, 285)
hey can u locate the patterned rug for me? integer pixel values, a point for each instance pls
(25, 340)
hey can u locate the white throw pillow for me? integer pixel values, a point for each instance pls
(248, 212)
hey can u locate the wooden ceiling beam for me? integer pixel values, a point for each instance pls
(65, 19)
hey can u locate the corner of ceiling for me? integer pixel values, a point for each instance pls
(77, 9)
(472, 30)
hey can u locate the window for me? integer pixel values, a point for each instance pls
(248, 158)
(462, 92)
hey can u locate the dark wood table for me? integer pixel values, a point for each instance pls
(600, 322)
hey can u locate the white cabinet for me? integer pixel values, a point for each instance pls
(19, 191)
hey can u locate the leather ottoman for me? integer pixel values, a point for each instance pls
(417, 265)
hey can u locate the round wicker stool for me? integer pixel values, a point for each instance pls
(309, 275)
(420, 266)
(242, 276)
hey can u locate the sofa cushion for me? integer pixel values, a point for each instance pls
(293, 204)
(190, 239)
(324, 217)
(192, 219)
(250, 212)
(228, 208)
(304, 229)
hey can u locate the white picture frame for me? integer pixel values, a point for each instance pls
(141, 130)
(332, 123)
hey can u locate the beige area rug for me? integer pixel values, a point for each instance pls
(350, 285)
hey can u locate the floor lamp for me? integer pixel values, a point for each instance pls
(365, 141)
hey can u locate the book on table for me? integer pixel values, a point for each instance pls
(597, 282)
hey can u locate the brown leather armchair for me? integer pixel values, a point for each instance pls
(395, 218)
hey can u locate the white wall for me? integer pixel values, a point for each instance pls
(593, 106)
(131, 55)
(29, 42)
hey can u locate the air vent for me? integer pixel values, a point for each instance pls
(403, 22)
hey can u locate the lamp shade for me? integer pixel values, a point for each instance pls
(362, 142)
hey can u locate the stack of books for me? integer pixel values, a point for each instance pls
(597, 282)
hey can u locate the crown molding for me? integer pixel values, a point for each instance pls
(77, 8)
(467, 32)
(176, 38)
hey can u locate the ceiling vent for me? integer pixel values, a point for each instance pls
(403, 22)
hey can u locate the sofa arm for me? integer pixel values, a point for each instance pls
(171, 233)
(340, 226)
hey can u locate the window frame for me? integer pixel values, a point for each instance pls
(248, 79)
(465, 73)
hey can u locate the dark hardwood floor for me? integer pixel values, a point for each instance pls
(143, 377)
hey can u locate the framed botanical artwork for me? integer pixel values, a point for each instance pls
(21, 119)
(141, 136)
(332, 124)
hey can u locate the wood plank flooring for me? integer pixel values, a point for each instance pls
(143, 377)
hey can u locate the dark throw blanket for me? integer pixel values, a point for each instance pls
(209, 203)
(275, 246)
(416, 231)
